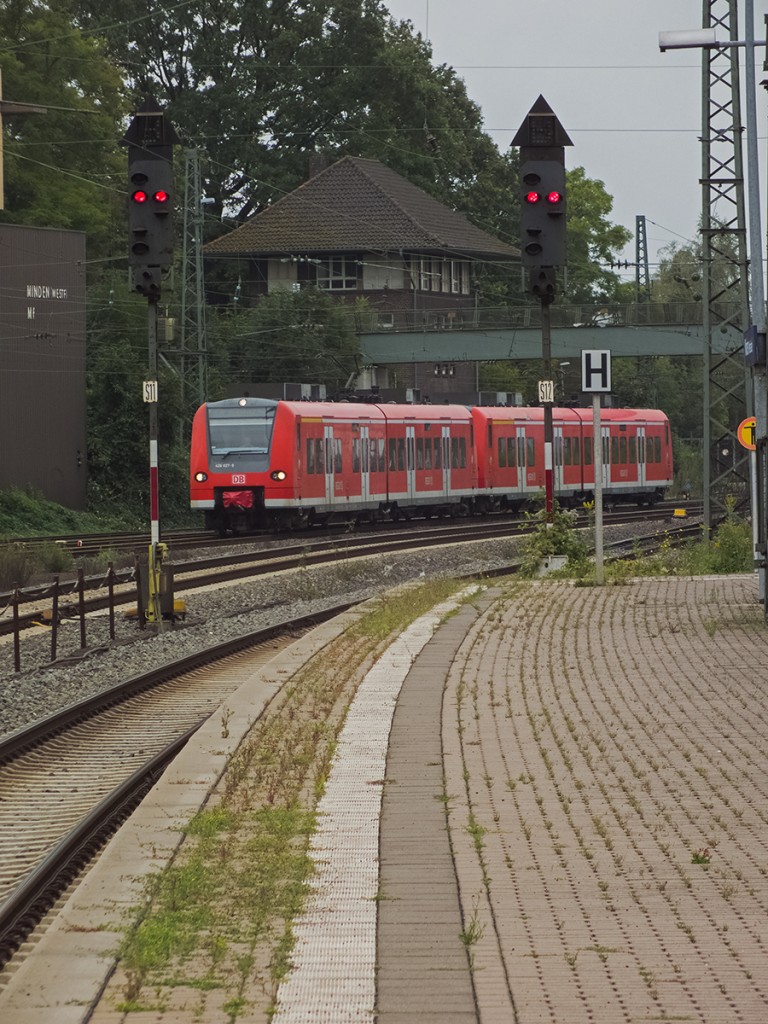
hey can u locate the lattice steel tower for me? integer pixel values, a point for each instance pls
(193, 357)
(727, 390)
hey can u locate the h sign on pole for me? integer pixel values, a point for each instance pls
(595, 370)
(596, 377)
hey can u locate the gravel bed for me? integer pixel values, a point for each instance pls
(215, 615)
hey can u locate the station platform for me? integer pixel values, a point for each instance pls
(548, 803)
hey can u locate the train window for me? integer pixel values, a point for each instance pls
(409, 452)
(438, 460)
(310, 455)
(567, 451)
(606, 451)
(510, 451)
(657, 449)
(337, 466)
(419, 453)
(490, 436)
(463, 452)
(614, 451)
(530, 455)
(559, 450)
(454, 453)
(382, 456)
(240, 430)
(355, 454)
(366, 450)
(623, 450)
(392, 454)
(319, 455)
(428, 452)
(576, 452)
(373, 449)
(502, 452)
(521, 451)
(633, 450)
(329, 454)
(587, 451)
(401, 453)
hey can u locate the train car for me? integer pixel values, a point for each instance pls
(257, 463)
(431, 463)
(636, 464)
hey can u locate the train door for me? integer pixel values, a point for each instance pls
(331, 444)
(410, 460)
(641, 474)
(557, 459)
(446, 440)
(365, 466)
(605, 433)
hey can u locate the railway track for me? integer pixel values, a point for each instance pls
(84, 545)
(67, 782)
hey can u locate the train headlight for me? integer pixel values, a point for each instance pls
(200, 478)
(278, 474)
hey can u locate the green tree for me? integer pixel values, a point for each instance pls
(118, 422)
(261, 85)
(593, 241)
(62, 166)
(302, 337)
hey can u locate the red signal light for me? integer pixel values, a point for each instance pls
(554, 197)
(532, 197)
(161, 196)
(140, 196)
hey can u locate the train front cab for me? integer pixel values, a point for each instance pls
(229, 461)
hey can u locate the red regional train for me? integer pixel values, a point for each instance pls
(256, 462)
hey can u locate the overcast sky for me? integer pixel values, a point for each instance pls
(632, 113)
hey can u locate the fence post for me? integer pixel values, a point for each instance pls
(55, 618)
(16, 647)
(111, 589)
(81, 605)
(139, 595)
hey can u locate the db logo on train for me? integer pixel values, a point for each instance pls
(746, 433)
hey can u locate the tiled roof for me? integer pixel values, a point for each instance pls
(358, 205)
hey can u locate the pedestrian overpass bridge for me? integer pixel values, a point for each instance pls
(514, 333)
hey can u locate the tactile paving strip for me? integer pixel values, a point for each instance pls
(334, 958)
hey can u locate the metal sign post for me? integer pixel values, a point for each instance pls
(596, 378)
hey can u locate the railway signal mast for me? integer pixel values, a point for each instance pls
(542, 140)
(150, 139)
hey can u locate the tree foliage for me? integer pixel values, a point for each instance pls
(302, 337)
(61, 166)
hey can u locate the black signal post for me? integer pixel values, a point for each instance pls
(542, 140)
(150, 139)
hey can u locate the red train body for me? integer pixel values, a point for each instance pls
(257, 462)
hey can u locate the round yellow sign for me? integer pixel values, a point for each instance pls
(746, 433)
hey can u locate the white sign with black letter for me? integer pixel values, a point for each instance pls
(595, 370)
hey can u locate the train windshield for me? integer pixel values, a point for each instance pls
(240, 430)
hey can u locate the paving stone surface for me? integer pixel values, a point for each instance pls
(606, 763)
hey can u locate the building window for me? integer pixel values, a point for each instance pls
(337, 275)
(446, 276)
